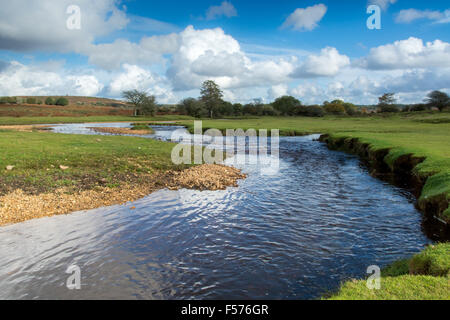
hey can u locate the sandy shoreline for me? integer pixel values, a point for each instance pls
(18, 206)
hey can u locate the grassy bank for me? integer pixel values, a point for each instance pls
(423, 277)
(91, 161)
(422, 135)
(416, 144)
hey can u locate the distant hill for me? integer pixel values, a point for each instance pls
(78, 107)
(77, 101)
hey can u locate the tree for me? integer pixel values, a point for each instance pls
(335, 107)
(387, 98)
(62, 102)
(438, 99)
(142, 102)
(49, 101)
(237, 109)
(350, 108)
(386, 103)
(192, 107)
(211, 96)
(286, 105)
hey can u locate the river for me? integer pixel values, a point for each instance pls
(298, 234)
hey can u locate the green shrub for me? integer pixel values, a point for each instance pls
(419, 107)
(31, 100)
(62, 102)
(389, 108)
(12, 100)
(334, 108)
(49, 101)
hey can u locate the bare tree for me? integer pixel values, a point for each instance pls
(142, 102)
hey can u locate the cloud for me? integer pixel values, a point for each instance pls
(327, 64)
(305, 19)
(41, 25)
(132, 77)
(111, 56)
(410, 15)
(407, 54)
(212, 54)
(277, 91)
(18, 79)
(384, 4)
(225, 9)
(3, 65)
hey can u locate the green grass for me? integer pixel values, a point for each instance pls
(423, 277)
(425, 134)
(398, 288)
(92, 160)
(141, 126)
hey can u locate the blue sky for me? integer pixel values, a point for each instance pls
(314, 50)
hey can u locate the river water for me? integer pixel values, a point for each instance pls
(297, 234)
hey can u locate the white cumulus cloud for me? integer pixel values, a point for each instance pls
(306, 19)
(18, 79)
(410, 15)
(407, 54)
(327, 64)
(384, 4)
(225, 9)
(42, 25)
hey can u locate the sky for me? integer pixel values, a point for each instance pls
(313, 50)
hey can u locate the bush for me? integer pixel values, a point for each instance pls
(268, 110)
(3, 100)
(286, 105)
(12, 100)
(350, 109)
(418, 107)
(31, 100)
(49, 101)
(389, 108)
(39, 102)
(334, 108)
(62, 102)
(315, 111)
